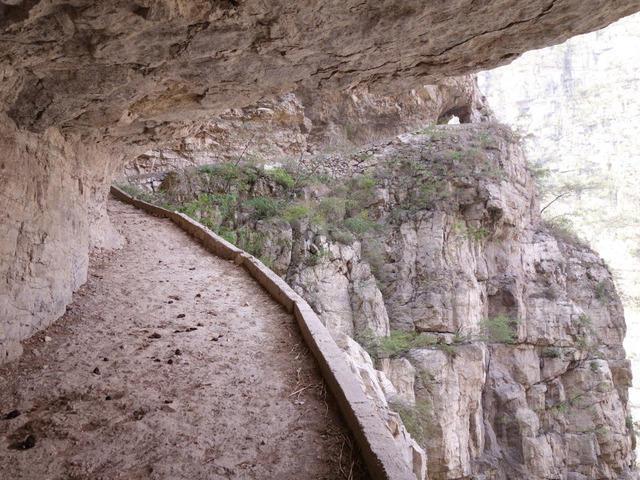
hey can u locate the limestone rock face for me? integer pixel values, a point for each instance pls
(293, 126)
(122, 76)
(53, 193)
(138, 68)
(572, 103)
(520, 370)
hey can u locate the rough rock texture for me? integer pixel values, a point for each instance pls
(572, 103)
(461, 257)
(53, 195)
(135, 68)
(134, 72)
(292, 126)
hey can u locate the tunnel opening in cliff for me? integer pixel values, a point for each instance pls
(92, 88)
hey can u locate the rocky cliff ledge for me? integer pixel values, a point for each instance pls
(495, 341)
(91, 80)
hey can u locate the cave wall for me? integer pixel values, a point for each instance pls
(53, 192)
(77, 76)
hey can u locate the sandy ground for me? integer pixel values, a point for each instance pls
(169, 364)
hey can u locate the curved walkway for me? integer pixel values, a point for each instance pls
(170, 364)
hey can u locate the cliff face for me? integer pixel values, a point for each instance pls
(575, 106)
(497, 341)
(545, 400)
(138, 68)
(293, 126)
(84, 82)
(53, 192)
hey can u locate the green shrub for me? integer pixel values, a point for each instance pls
(332, 209)
(602, 292)
(227, 204)
(414, 418)
(316, 258)
(226, 233)
(500, 329)
(137, 192)
(297, 211)
(342, 236)
(551, 352)
(202, 206)
(472, 233)
(250, 241)
(562, 229)
(263, 207)
(360, 224)
(282, 177)
(396, 344)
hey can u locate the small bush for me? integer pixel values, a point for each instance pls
(562, 229)
(396, 344)
(341, 235)
(360, 224)
(500, 329)
(551, 352)
(602, 292)
(414, 418)
(263, 207)
(250, 241)
(137, 192)
(296, 212)
(332, 209)
(282, 177)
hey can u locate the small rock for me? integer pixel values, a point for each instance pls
(192, 268)
(216, 338)
(26, 444)
(199, 324)
(11, 414)
(170, 301)
(139, 414)
(105, 359)
(198, 295)
(96, 371)
(181, 315)
(155, 335)
(47, 339)
(178, 351)
(107, 398)
(191, 329)
(170, 361)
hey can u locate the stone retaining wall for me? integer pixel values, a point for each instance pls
(374, 439)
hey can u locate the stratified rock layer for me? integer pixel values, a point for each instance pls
(552, 404)
(137, 68)
(134, 72)
(53, 194)
(514, 367)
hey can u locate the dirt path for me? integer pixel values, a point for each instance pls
(169, 364)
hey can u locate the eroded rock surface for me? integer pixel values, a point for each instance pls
(137, 68)
(127, 75)
(53, 194)
(511, 364)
